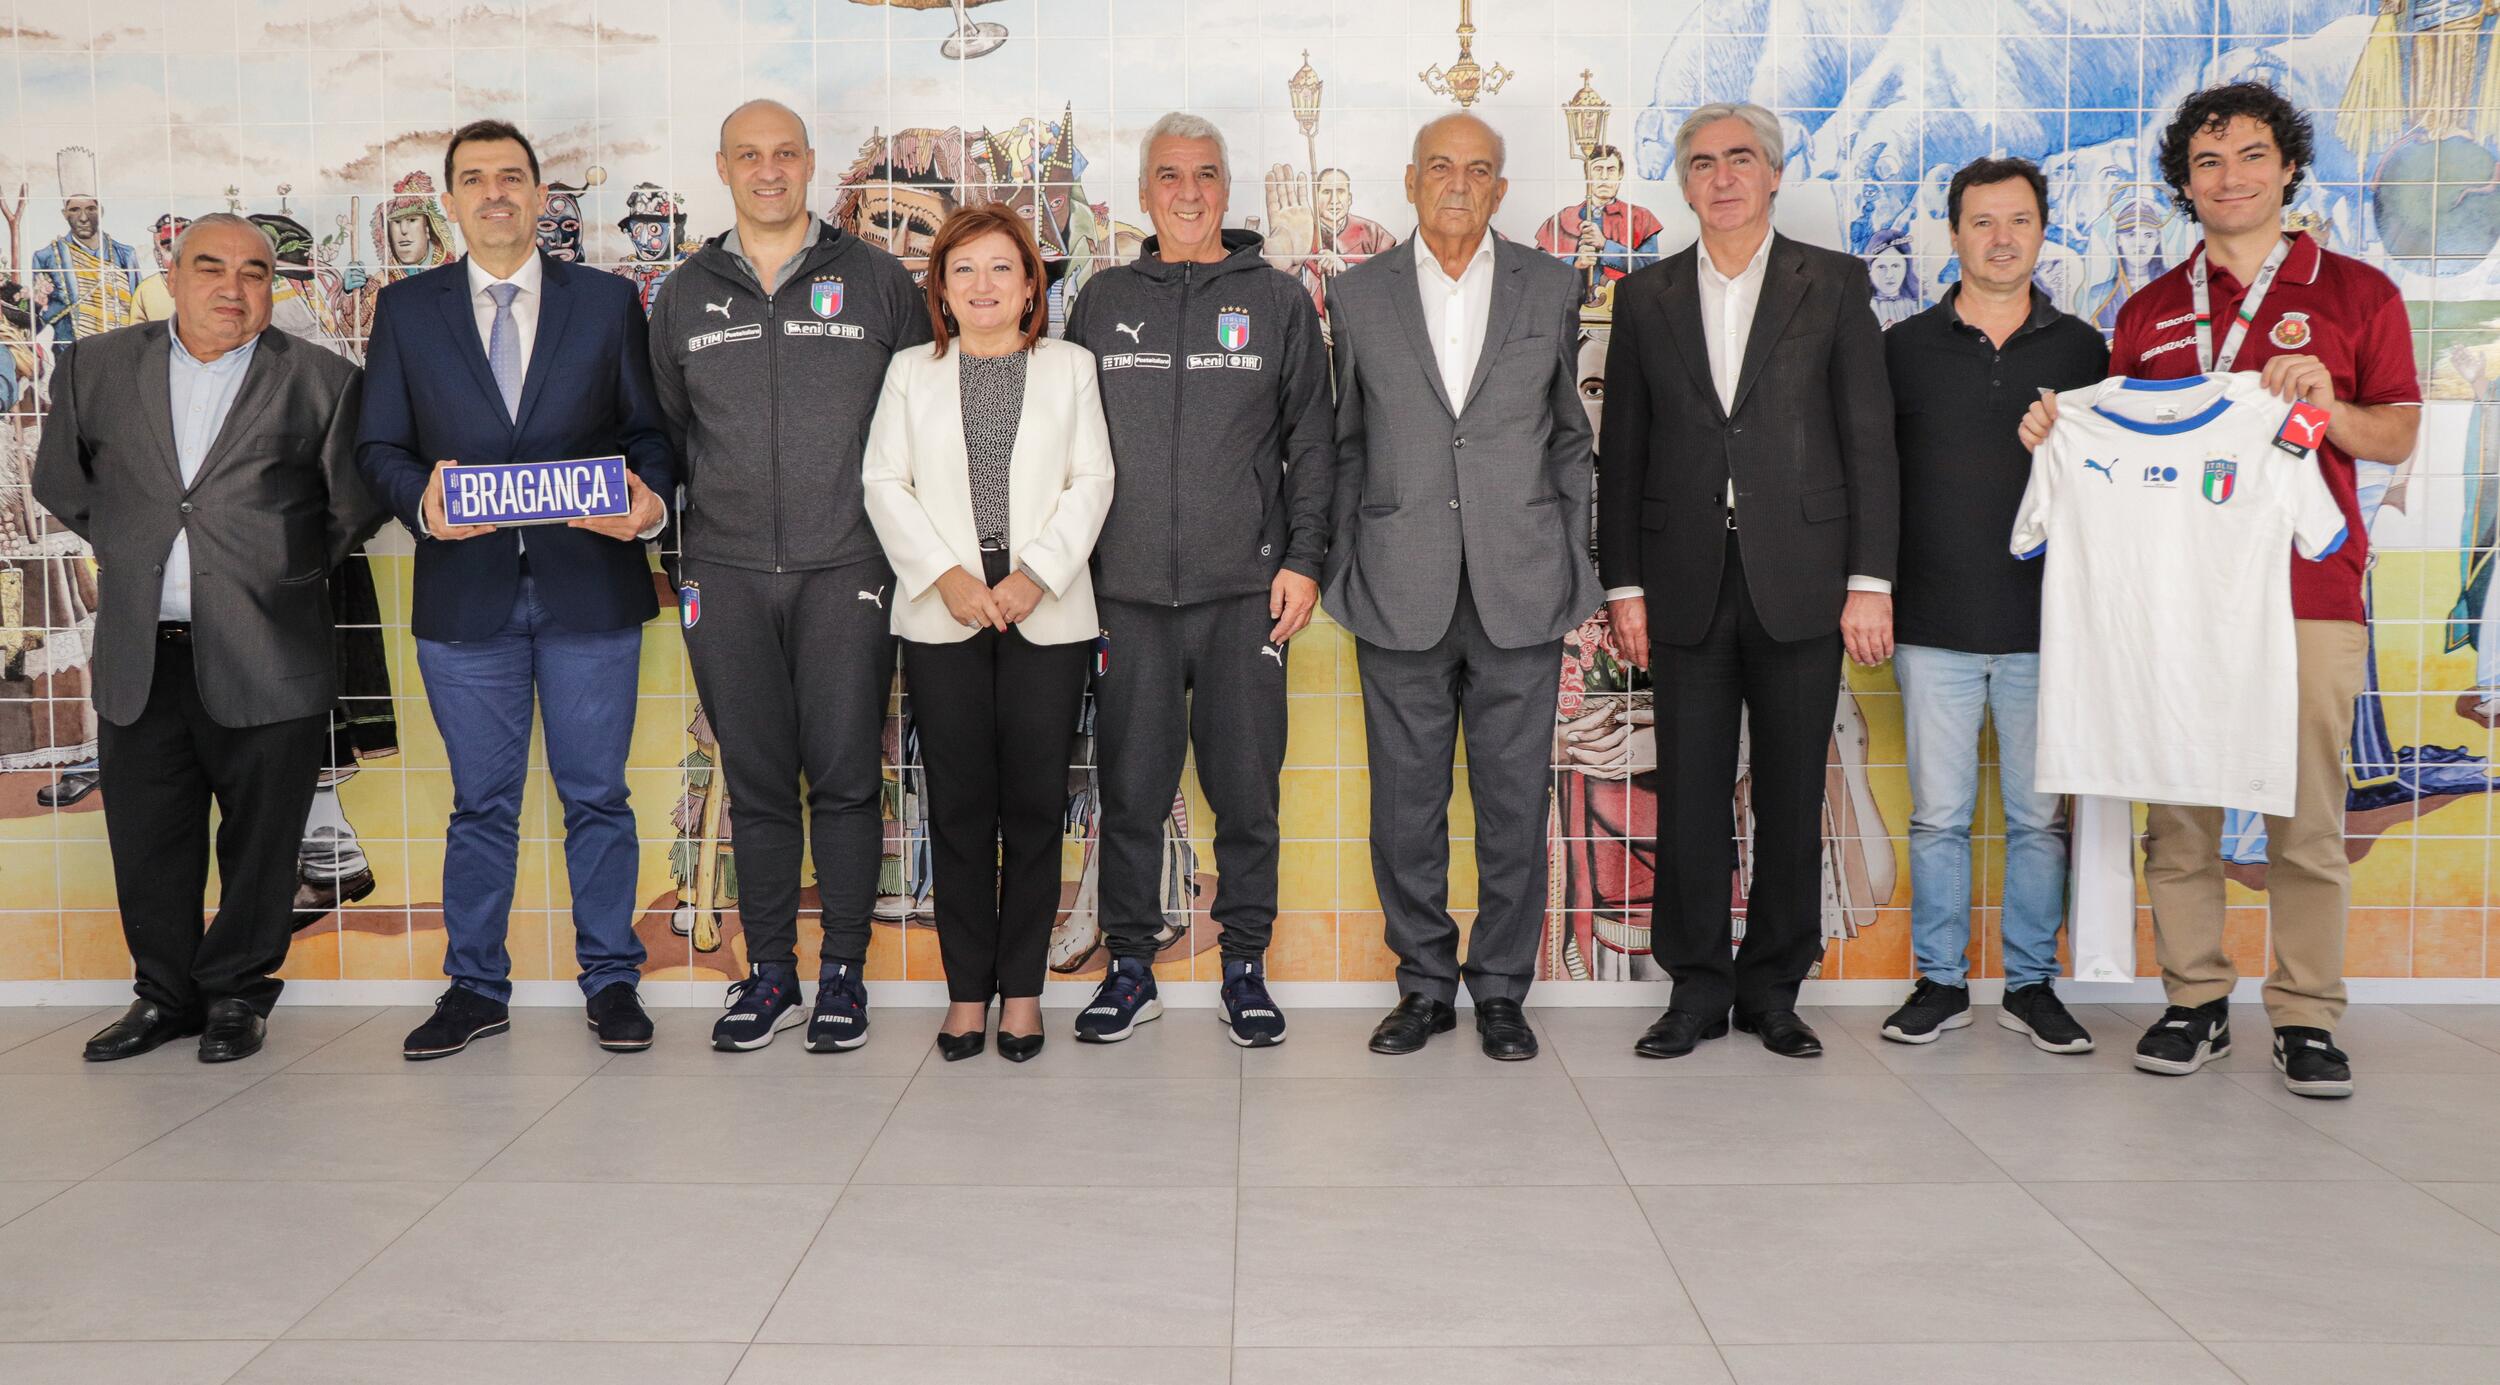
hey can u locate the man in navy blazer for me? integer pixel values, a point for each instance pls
(506, 355)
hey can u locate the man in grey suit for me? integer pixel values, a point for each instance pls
(1460, 560)
(210, 463)
(1747, 536)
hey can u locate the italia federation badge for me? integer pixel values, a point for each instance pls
(1232, 329)
(689, 605)
(824, 297)
(2221, 477)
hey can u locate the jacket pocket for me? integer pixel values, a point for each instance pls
(1378, 511)
(1555, 499)
(1829, 503)
(313, 576)
(1654, 513)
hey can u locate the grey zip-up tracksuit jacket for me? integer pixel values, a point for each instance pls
(787, 382)
(1215, 384)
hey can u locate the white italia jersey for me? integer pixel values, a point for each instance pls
(2167, 668)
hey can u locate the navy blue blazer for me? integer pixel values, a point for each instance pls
(429, 394)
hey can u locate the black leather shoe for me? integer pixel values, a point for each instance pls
(1018, 1048)
(955, 1048)
(316, 900)
(72, 786)
(1504, 1031)
(1417, 1018)
(1783, 1033)
(1679, 1032)
(616, 1016)
(460, 1017)
(235, 1030)
(144, 1026)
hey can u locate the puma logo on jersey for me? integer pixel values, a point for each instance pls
(722, 307)
(1134, 339)
(2101, 467)
(1273, 652)
(2310, 423)
(875, 598)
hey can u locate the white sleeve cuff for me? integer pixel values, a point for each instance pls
(1876, 585)
(1623, 593)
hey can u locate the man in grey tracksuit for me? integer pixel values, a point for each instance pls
(769, 348)
(1215, 384)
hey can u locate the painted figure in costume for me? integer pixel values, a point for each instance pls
(900, 190)
(2475, 618)
(1895, 281)
(560, 222)
(1344, 240)
(1602, 235)
(296, 307)
(410, 236)
(156, 301)
(655, 227)
(86, 281)
(701, 861)
(2431, 70)
(2136, 225)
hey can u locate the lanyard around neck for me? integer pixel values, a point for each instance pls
(2202, 301)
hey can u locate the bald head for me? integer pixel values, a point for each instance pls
(1462, 129)
(1456, 184)
(767, 163)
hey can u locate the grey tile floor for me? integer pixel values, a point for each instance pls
(1174, 1210)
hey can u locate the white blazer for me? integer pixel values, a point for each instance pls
(919, 490)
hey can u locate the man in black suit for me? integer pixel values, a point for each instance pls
(1746, 528)
(211, 465)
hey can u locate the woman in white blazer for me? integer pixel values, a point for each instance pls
(988, 474)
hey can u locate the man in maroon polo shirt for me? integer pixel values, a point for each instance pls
(2330, 331)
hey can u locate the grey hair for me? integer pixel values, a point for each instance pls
(215, 219)
(1181, 125)
(1766, 130)
(1501, 148)
(744, 106)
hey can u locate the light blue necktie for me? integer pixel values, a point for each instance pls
(503, 347)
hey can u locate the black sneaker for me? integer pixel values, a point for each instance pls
(761, 1006)
(1124, 1000)
(1930, 1010)
(460, 1016)
(2036, 1011)
(1248, 1011)
(617, 1017)
(2183, 1040)
(841, 1017)
(2310, 1062)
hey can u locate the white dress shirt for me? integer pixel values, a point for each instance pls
(1728, 304)
(202, 394)
(531, 278)
(1456, 312)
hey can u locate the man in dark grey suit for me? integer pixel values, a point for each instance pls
(210, 463)
(1746, 533)
(1459, 562)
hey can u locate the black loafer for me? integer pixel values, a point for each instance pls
(235, 1030)
(144, 1026)
(1783, 1033)
(1678, 1032)
(616, 1015)
(1504, 1031)
(461, 1016)
(1406, 1028)
(72, 786)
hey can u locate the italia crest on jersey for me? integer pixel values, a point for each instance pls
(824, 297)
(1232, 329)
(2221, 478)
(2292, 333)
(689, 605)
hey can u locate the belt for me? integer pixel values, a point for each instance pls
(174, 630)
(993, 545)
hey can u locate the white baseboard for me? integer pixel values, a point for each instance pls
(1313, 995)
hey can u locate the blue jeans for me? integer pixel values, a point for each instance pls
(483, 692)
(1945, 695)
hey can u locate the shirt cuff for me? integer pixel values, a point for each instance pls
(654, 531)
(1035, 578)
(1623, 593)
(1876, 585)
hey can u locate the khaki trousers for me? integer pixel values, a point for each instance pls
(2308, 879)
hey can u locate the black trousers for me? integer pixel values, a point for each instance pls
(794, 669)
(1790, 690)
(997, 720)
(162, 772)
(1197, 678)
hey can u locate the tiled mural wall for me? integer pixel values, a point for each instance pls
(324, 120)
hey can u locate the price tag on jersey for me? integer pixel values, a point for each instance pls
(509, 493)
(2303, 429)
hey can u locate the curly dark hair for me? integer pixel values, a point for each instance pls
(2215, 107)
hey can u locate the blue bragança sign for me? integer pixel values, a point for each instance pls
(535, 492)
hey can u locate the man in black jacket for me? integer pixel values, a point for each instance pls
(1746, 531)
(768, 349)
(1216, 387)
